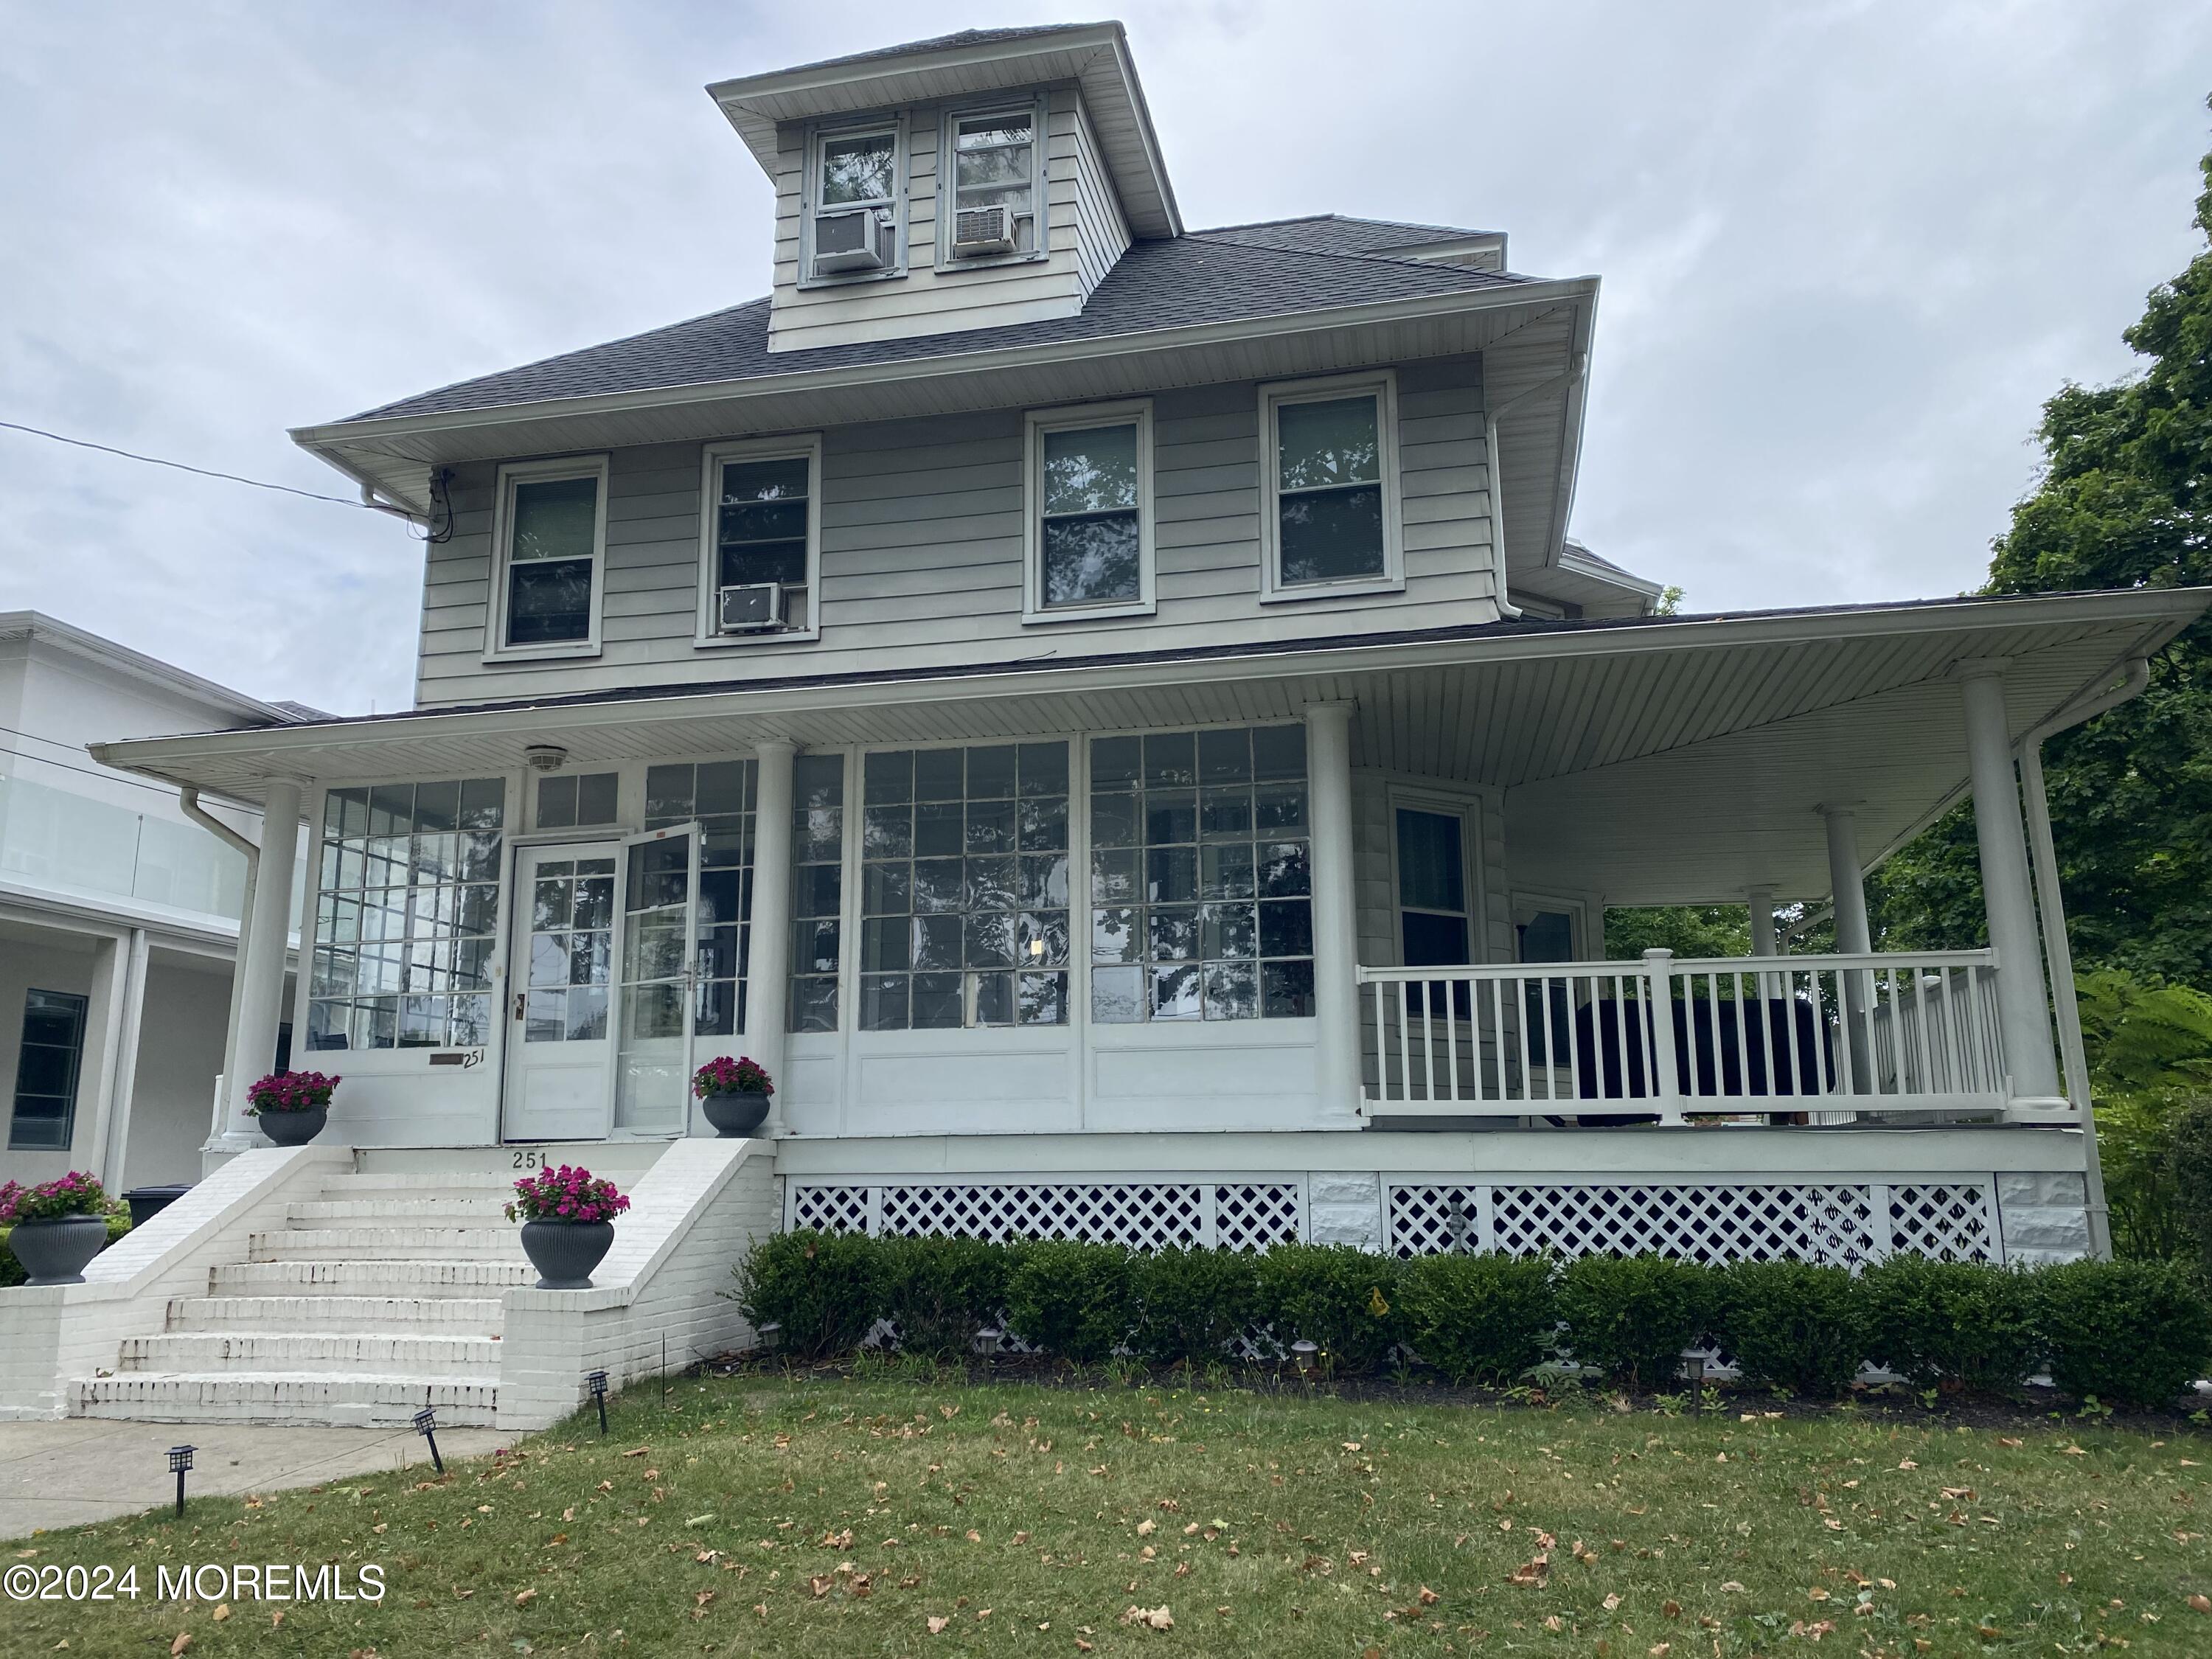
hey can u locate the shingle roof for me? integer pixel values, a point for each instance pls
(941, 43)
(1332, 233)
(1203, 277)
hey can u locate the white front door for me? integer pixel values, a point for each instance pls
(560, 1050)
(656, 1003)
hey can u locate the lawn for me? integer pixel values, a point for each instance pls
(799, 1516)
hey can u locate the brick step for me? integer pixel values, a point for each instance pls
(422, 1242)
(406, 1279)
(458, 1183)
(487, 1211)
(366, 1401)
(427, 1315)
(353, 1353)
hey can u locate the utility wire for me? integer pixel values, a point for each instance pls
(156, 460)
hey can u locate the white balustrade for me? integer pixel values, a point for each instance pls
(1602, 1043)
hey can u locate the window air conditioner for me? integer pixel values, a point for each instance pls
(978, 231)
(754, 608)
(854, 239)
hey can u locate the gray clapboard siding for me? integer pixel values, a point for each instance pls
(922, 546)
(1082, 237)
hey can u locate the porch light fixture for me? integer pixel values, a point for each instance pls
(1303, 1352)
(426, 1425)
(596, 1382)
(180, 1459)
(545, 756)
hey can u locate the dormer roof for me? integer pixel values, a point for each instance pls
(1095, 56)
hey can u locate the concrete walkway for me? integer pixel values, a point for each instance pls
(78, 1470)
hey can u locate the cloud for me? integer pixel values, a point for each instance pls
(1848, 249)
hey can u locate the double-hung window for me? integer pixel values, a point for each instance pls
(853, 222)
(1329, 479)
(550, 534)
(761, 545)
(1090, 497)
(992, 161)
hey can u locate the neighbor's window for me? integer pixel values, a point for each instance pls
(963, 896)
(763, 529)
(720, 797)
(406, 915)
(818, 897)
(994, 165)
(551, 529)
(1202, 876)
(573, 800)
(46, 1068)
(1331, 497)
(1090, 479)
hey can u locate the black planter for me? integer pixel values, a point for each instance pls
(54, 1251)
(147, 1202)
(734, 1115)
(565, 1252)
(293, 1128)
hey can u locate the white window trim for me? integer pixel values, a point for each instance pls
(1469, 810)
(806, 446)
(1384, 385)
(496, 649)
(810, 186)
(1577, 911)
(1076, 418)
(1039, 182)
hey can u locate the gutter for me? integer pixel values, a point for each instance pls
(1576, 367)
(188, 798)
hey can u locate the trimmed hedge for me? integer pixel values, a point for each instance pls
(2127, 1333)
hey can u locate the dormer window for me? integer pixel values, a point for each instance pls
(854, 225)
(992, 160)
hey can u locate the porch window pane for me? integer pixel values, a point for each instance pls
(407, 915)
(1180, 903)
(964, 882)
(720, 796)
(1328, 489)
(817, 854)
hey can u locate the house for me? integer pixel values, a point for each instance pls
(118, 912)
(1111, 715)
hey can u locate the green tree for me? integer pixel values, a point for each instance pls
(2124, 501)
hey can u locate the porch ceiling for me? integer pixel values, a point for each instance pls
(1673, 760)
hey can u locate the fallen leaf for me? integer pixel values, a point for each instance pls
(1660, 1650)
(524, 1598)
(821, 1586)
(2007, 1440)
(221, 1612)
(1428, 1598)
(1732, 1587)
(1146, 1528)
(1611, 1602)
(2200, 1604)
(937, 1625)
(1082, 1646)
(183, 1640)
(1153, 1617)
(637, 1452)
(1672, 1608)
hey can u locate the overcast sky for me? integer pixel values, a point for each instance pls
(1847, 250)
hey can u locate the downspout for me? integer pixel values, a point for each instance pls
(1567, 376)
(188, 798)
(2057, 949)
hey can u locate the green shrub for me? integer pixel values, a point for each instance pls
(1344, 1300)
(2129, 1333)
(2189, 1157)
(1949, 1324)
(825, 1290)
(1190, 1305)
(1479, 1318)
(941, 1291)
(1631, 1316)
(1792, 1325)
(1070, 1299)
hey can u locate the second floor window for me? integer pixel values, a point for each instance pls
(1090, 535)
(994, 185)
(552, 529)
(760, 551)
(1332, 496)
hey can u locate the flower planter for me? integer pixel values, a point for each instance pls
(294, 1128)
(565, 1252)
(734, 1114)
(54, 1251)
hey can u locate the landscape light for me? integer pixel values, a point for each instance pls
(596, 1381)
(180, 1459)
(426, 1425)
(1304, 1353)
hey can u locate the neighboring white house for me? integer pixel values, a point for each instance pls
(1111, 716)
(118, 913)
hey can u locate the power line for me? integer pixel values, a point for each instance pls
(156, 460)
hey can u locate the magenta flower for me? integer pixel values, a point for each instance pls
(566, 1193)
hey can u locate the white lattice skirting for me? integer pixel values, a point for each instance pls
(1714, 1222)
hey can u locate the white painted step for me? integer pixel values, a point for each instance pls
(403, 1278)
(429, 1316)
(354, 1352)
(487, 1211)
(416, 1241)
(243, 1396)
(459, 1183)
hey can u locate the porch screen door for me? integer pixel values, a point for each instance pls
(655, 1017)
(558, 1050)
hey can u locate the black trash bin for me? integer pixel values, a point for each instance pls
(147, 1202)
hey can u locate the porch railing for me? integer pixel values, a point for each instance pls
(1602, 1043)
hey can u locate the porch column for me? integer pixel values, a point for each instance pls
(1853, 936)
(1766, 941)
(768, 960)
(114, 1135)
(1336, 916)
(263, 944)
(2023, 1003)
